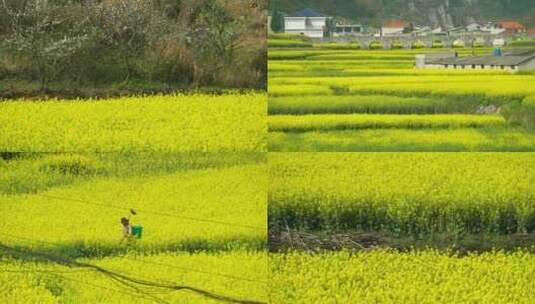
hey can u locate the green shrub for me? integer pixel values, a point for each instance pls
(284, 36)
(523, 43)
(438, 44)
(338, 46)
(458, 44)
(396, 45)
(521, 113)
(418, 45)
(280, 43)
(376, 45)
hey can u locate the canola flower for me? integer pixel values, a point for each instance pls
(69, 205)
(30, 282)
(392, 277)
(234, 195)
(316, 94)
(179, 123)
(403, 193)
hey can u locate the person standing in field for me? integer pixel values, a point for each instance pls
(127, 229)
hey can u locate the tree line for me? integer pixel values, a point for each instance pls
(186, 43)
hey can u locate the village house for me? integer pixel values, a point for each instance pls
(307, 22)
(513, 60)
(531, 32)
(439, 31)
(511, 27)
(394, 27)
(486, 28)
(422, 31)
(347, 28)
(474, 27)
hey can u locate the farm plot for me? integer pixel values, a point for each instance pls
(180, 123)
(473, 208)
(202, 214)
(304, 83)
(412, 277)
(404, 194)
(240, 275)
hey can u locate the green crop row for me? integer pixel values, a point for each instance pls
(327, 122)
(281, 43)
(338, 46)
(410, 194)
(340, 66)
(400, 140)
(300, 105)
(275, 54)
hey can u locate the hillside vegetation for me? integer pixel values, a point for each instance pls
(435, 12)
(78, 46)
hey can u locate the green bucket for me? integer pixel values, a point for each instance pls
(137, 231)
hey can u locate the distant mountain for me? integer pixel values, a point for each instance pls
(423, 12)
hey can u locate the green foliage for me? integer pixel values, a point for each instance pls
(418, 45)
(369, 104)
(277, 22)
(95, 43)
(458, 44)
(523, 43)
(397, 45)
(330, 122)
(376, 45)
(280, 43)
(438, 44)
(338, 46)
(505, 139)
(45, 39)
(521, 113)
(285, 36)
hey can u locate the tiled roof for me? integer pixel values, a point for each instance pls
(511, 25)
(396, 24)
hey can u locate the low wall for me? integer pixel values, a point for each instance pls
(407, 40)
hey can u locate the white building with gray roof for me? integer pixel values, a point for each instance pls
(513, 60)
(307, 22)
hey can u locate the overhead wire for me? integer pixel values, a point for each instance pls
(128, 281)
(189, 218)
(184, 269)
